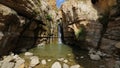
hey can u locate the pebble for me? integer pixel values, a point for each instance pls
(94, 57)
(49, 60)
(43, 62)
(77, 57)
(69, 54)
(82, 57)
(28, 54)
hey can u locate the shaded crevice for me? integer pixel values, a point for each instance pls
(104, 21)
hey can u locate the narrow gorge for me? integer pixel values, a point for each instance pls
(59, 34)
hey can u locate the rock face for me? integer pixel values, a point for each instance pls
(112, 35)
(80, 22)
(24, 24)
(9, 23)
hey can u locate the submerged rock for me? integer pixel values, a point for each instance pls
(49, 60)
(56, 65)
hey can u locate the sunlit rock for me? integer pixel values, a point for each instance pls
(56, 65)
(34, 61)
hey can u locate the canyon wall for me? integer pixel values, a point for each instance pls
(24, 24)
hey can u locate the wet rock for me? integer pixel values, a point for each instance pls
(75, 66)
(43, 62)
(34, 61)
(65, 66)
(28, 54)
(95, 57)
(8, 65)
(56, 65)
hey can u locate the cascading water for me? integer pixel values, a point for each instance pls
(59, 34)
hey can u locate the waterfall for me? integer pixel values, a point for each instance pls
(59, 34)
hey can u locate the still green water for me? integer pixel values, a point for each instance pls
(55, 51)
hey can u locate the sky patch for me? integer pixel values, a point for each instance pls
(59, 3)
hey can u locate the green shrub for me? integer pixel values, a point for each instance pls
(49, 17)
(80, 35)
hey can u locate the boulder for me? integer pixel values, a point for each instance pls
(19, 63)
(34, 61)
(65, 66)
(56, 65)
(8, 65)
